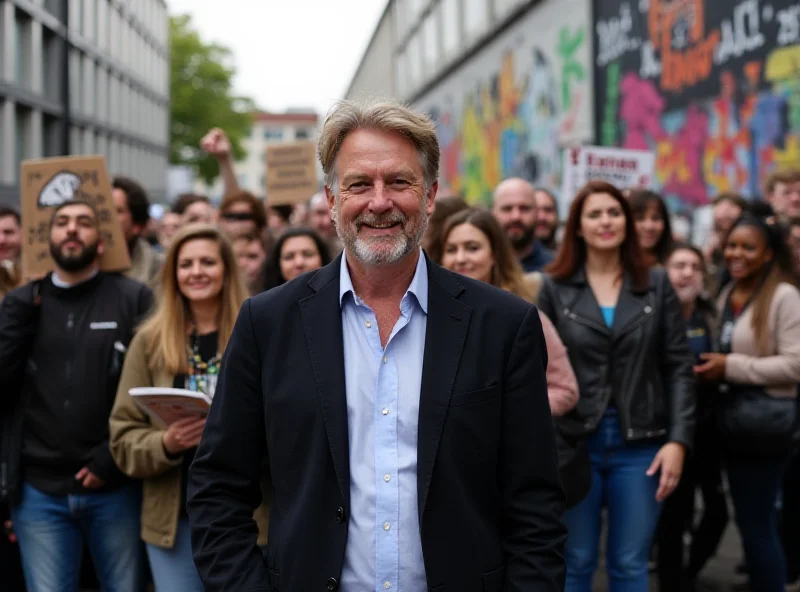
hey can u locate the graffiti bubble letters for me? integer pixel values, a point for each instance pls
(741, 34)
(613, 37)
(789, 26)
(650, 66)
(568, 45)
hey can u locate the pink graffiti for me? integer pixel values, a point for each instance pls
(640, 110)
(680, 158)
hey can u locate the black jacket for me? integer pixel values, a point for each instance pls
(489, 497)
(61, 353)
(642, 363)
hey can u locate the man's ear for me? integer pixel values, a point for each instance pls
(330, 196)
(101, 246)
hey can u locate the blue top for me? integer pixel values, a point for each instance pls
(608, 314)
(384, 549)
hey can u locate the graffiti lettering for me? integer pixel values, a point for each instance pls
(613, 37)
(571, 68)
(685, 69)
(650, 66)
(741, 35)
(788, 26)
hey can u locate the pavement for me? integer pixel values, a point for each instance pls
(719, 574)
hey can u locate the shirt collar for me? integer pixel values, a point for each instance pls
(418, 286)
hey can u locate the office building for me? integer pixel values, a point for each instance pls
(85, 77)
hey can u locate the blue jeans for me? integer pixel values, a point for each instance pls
(754, 488)
(620, 483)
(51, 531)
(173, 569)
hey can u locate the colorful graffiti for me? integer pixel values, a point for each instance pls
(510, 110)
(712, 87)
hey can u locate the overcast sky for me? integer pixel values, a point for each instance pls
(288, 53)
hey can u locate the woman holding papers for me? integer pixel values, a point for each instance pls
(180, 347)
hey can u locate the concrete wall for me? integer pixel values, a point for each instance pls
(375, 74)
(510, 109)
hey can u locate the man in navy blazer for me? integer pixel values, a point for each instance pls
(400, 410)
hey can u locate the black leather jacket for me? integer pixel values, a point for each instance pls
(642, 363)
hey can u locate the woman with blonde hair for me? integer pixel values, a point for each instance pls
(180, 345)
(473, 244)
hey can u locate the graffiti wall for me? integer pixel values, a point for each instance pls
(511, 108)
(712, 86)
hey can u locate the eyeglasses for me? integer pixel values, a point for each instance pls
(237, 216)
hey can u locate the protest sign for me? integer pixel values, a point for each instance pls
(291, 173)
(625, 169)
(49, 182)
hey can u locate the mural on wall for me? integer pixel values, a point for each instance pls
(712, 86)
(510, 110)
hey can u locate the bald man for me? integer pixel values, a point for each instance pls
(514, 206)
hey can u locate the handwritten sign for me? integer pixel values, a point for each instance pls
(50, 182)
(625, 169)
(291, 173)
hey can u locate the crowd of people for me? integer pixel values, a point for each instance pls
(672, 369)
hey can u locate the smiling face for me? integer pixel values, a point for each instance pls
(299, 254)
(649, 226)
(602, 223)
(467, 251)
(201, 271)
(685, 271)
(746, 252)
(381, 207)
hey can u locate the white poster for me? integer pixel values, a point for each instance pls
(625, 169)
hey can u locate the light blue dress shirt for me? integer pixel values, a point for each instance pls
(384, 550)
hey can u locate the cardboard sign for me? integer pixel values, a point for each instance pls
(49, 182)
(291, 173)
(625, 169)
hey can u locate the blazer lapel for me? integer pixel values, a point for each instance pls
(448, 322)
(322, 322)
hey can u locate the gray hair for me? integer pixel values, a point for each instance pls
(348, 116)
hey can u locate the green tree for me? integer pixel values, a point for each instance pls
(201, 81)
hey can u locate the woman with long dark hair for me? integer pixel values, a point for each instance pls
(624, 331)
(653, 227)
(297, 251)
(758, 367)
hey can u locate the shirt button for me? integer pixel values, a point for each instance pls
(386, 526)
(387, 585)
(368, 324)
(387, 477)
(384, 359)
(385, 411)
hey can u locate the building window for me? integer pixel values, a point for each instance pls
(22, 147)
(430, 32)
(22, 48)
(476, 18)
(414, 64)
(54, 8)
(53, 46)
(302, 134)
(273, 133)
(401, 73)
(451, 27)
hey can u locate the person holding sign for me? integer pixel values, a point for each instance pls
(179, 347)
(62, 343)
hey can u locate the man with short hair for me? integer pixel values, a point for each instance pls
(251, 257)
(62, 345)
(546, 218)
(514, 206)
(783, 193)
(319, 219)
(10, 234)
(133, 214)
(401, 409)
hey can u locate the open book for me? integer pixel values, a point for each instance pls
(167, 405)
